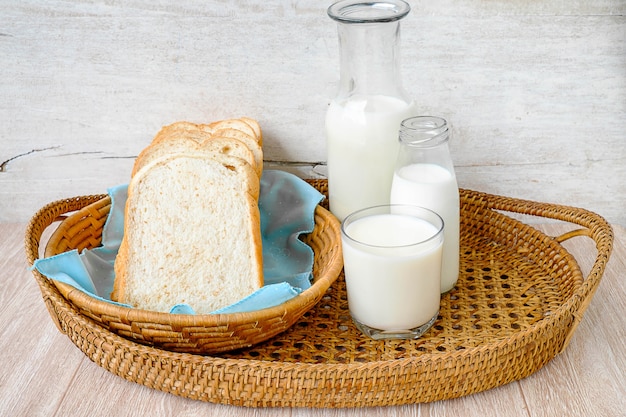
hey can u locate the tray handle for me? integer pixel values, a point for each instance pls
(45, 217)
(593, 225)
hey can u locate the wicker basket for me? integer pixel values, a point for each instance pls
(203, 334)
(519, 299)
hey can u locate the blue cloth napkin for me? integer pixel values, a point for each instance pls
(286, 204)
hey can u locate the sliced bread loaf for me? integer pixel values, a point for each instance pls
(192, 231)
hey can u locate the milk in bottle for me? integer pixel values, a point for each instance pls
(362, 147)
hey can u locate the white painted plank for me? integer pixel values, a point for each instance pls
(535, 91)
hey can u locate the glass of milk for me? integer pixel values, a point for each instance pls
(424, 176)
(392, 263)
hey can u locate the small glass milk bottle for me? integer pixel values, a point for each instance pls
(362, 121)
(424, 176)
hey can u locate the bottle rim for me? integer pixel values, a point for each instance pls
(424, 131)
(355, 11)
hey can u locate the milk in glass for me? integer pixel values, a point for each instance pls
(392, 262)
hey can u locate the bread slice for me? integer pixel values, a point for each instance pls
(194, 142)
(192, 234)
(237, 124)
(250, 141)
(255, 126)
(188, 129)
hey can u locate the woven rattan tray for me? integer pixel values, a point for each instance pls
(519, 298)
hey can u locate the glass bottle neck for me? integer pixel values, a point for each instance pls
(369, 63)
(424, 140)
(369, 46)
(424, 132)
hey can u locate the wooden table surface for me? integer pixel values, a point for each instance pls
(43, 374)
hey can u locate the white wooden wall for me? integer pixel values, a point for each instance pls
(535, 90)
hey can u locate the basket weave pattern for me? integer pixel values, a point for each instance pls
(519, 299)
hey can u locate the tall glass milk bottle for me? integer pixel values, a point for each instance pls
(424, 176)
(362, 121)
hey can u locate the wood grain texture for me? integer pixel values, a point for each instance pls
(43, 374)
(535, 91)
